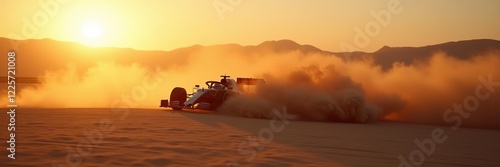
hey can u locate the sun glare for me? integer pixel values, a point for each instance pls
(92, 31)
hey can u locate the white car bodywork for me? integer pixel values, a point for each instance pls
(211, 97)
(231, 86)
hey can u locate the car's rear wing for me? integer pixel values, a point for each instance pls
(249, 85)
(249, 81)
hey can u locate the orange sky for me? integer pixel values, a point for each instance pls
(332, 25)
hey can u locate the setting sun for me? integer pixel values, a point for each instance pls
(91, 31)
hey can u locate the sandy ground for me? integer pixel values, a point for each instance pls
(156, 137)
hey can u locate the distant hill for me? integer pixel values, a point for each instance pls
(386, 56)
(36, 56)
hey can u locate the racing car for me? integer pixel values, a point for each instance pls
(210, 98)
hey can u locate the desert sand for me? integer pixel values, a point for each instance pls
(160, 137)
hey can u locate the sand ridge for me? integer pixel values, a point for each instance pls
(157, 137)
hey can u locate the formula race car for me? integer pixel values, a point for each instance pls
(209, 98)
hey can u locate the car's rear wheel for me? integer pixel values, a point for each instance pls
(220, 99)
(177, 98)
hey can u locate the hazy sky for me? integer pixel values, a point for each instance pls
(327, 24)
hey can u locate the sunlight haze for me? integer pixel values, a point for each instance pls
(166, 25)
(333, 83)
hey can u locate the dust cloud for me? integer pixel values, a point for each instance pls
(316, 87)
(98, 87)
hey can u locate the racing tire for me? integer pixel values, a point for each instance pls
(220, 99)
(178, 96)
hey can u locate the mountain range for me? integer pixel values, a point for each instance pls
(34, 57)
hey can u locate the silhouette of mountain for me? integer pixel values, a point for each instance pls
(285, 46)
(386, 56)
(34, 57)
